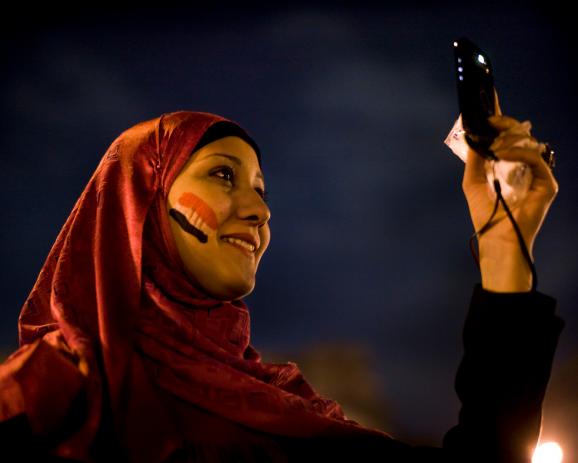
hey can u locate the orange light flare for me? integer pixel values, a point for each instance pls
(548, 452)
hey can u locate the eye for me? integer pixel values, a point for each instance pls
(225, 173)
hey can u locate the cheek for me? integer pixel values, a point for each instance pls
(195, 216)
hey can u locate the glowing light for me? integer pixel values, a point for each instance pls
(481, 59)
(460, 69)
(455, 44)
(548, 452)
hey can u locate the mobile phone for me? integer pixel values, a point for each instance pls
(475, 82)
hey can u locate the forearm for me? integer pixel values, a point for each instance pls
(504, 268)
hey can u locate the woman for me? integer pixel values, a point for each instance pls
(135, 339)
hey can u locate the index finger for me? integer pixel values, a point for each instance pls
(504, 123)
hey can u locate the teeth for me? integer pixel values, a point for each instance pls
(246, 245)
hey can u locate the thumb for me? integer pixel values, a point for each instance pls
(475, 170)
(497, 103)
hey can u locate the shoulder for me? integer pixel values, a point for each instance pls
(40, 394)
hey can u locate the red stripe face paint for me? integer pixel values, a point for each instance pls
(194, 216)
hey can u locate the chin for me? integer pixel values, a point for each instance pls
(234, 291)
(239, 293)
(224, 285)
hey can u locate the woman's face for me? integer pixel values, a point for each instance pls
(219, 219)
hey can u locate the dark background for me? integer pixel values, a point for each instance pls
(368, 276)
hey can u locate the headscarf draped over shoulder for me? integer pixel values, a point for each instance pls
(113, 318)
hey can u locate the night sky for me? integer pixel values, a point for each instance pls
(350, 106)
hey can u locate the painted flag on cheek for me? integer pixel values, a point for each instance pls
(194, 215)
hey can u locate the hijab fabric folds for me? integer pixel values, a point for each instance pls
(115, 316)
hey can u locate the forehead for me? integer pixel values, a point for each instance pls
(231, 148)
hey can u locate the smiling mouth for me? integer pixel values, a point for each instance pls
(187, 226)
(245, 251)
(240, 244)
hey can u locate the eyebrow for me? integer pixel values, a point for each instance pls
(236, 160)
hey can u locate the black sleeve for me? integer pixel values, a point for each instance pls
(509, 343)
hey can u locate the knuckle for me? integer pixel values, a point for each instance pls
(555, 187)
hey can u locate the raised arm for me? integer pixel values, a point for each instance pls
(502, 264)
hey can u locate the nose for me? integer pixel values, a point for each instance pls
(252, 207)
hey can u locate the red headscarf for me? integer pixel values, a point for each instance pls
(113, 297)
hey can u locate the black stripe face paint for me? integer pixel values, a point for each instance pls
(187, 226)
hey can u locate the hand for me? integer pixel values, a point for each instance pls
(502, 263)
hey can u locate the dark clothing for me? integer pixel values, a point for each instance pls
(509, 345)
